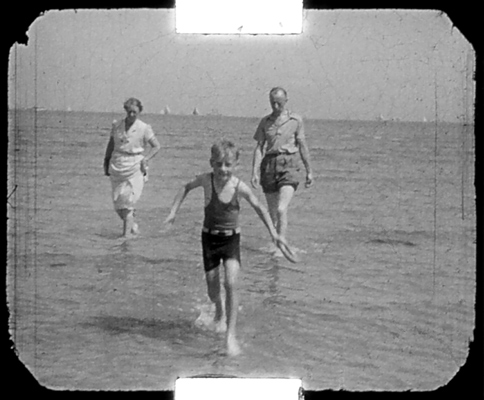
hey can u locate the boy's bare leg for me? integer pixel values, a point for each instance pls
(213, 287)
(231, 305)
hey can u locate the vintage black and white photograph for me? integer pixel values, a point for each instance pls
(253, 206)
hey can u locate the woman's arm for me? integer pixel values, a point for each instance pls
(107, 155)
(154, 148)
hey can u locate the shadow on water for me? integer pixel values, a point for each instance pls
(177, 331)
(392, 242)
(108, 235)
(56, 260)
(267, 282)
(399, 237)
(121, 256)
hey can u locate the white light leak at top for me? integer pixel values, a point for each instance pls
(239, 16)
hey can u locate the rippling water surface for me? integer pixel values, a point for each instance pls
(383, 298)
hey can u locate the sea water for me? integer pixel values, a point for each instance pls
(382, 298)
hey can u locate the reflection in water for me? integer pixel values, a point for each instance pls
(117, 258)
(273, 273)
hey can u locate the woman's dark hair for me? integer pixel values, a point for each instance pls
(133, 101)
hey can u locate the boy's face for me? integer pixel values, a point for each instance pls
(224, 167)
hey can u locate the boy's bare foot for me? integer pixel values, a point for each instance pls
(220, 326)
(219, 323)
(135, 229)
(233, 348)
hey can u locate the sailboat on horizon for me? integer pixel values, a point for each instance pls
(196, 111)
(166, 111)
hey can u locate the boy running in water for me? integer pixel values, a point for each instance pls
(221, 231)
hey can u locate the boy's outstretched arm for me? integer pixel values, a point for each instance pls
(180, 196)
(261, 211)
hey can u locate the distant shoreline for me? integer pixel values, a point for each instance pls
(211, 116)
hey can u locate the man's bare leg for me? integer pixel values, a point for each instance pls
(286, 194)
(272, 200)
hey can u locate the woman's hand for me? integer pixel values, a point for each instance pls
(144, 166)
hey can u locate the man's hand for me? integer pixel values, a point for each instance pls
(170, 220)
(255, 181)
(168, 223)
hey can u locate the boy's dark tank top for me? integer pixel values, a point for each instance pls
(220, 215)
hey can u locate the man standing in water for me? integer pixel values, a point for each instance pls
(280, 136)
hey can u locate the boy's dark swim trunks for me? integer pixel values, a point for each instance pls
(219, 248)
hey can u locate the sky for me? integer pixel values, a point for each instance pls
(358, 65)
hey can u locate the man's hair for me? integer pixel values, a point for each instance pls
(223, 147)
(133, 101)
(276, 90)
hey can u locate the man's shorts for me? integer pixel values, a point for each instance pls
(277, 170)
(219, 248)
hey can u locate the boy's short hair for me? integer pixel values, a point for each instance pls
(223, 147)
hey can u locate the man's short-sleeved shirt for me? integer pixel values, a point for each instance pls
(132, 141)
(280, 136)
